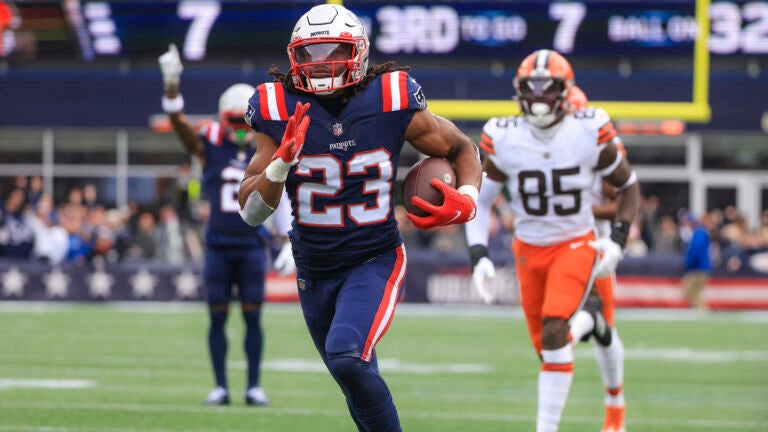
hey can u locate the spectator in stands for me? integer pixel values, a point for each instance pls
(75, 196)
(51, 239)
(666, 237)
(35, 190)
(649, 215)
(16, 236)
(171, 240)
(697, 261)
(72, 218)
(145, 240)
(90, 196)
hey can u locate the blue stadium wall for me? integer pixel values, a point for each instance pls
(104, 97)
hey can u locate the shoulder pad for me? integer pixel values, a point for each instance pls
(599, 120)
(494, 129)
(400, 91)
(212, 133)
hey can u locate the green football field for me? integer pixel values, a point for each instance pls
(144, 367)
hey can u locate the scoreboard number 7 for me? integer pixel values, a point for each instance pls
(203, 14)
(570, 16)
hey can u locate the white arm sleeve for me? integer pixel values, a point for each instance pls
(282, 216)
(477, 228)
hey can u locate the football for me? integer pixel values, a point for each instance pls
(417, 182)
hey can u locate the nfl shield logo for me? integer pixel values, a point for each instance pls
(337, 129)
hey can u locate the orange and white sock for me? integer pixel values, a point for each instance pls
(555, 380)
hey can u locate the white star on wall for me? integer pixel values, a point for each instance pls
(186, 285)
(13, 282)
(56, 284)
(100, 283)
(143, 284)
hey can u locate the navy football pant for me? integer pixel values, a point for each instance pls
(347, 316)
(224, 268)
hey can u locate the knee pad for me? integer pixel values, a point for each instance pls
(344, 340)
(348, 369)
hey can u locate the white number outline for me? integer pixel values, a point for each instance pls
(203, 14)
(570, 16)
(230, 186)
(754, 39)
(360, 213)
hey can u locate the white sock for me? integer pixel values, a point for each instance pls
(555, 380)
(610, 360)
(581, 324)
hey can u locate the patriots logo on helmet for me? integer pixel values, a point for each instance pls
(338, 129)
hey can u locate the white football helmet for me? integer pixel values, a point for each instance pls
(233, 104)
(328, 50)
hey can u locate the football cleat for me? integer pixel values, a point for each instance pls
(601, 331)
(614, 419)
(218, 396)
(256, 396)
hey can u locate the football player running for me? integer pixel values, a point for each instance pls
(599, 309)
(330, 133)
(235, 253)
(549, 159)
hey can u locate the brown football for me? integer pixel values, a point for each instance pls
(417, 182)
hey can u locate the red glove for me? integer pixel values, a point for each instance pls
(293, 138)
(457, 208)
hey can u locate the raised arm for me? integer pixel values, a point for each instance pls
(173, 103)
(265, 175)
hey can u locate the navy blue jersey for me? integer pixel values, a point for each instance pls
(224, 169)
(342, 189)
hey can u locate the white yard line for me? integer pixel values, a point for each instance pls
(229, 411)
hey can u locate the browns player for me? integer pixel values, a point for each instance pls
(549, 159)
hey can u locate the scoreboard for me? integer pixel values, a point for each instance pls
(89, 30)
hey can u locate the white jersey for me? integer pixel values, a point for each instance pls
(550, 178)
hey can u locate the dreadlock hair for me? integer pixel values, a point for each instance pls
(373, 71)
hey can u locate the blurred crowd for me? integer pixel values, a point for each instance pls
(82, 228)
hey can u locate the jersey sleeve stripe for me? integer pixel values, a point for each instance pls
(486, 143)
(263, 102)
(605, 131)
(214, 134)
(282, 109)
(389, 300)
(272, 102)
(394, 90)
(606, 137)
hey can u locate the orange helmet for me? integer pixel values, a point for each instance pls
(575, 100)
(543, 80)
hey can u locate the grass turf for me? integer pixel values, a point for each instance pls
(144, 367)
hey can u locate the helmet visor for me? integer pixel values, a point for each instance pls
(541, 89)
(324, 52)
